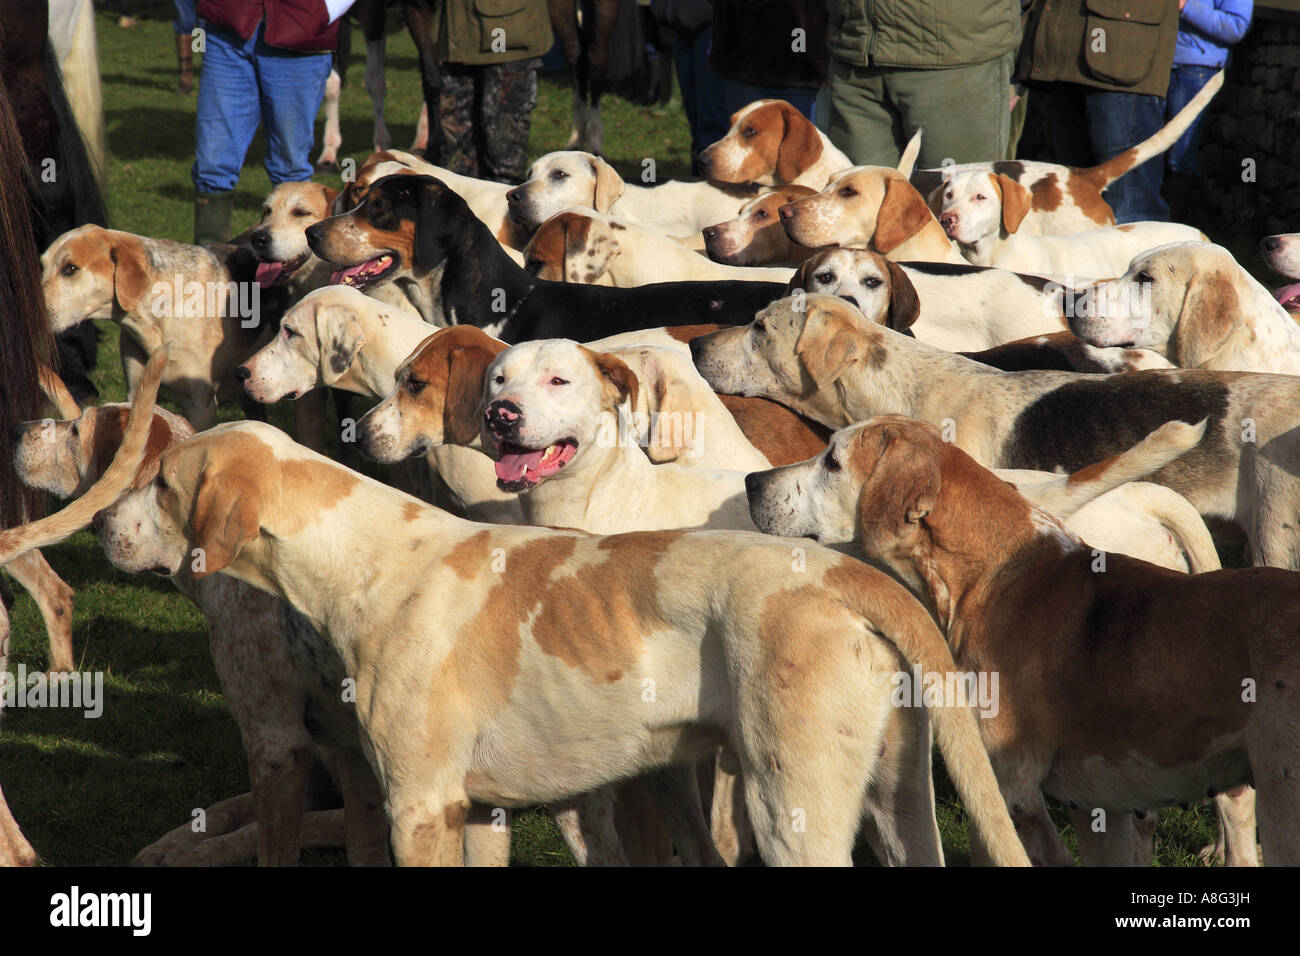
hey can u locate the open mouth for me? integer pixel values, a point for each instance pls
(1289, 296)
(521, 469)
(269, 273)
(367, 273)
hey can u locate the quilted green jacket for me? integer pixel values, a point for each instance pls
(922, 33)
(493, 31)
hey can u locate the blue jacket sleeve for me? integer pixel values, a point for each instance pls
(1224, 21)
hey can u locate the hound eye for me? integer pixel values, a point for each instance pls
(750, 132)
(761, 214)
(68, 270)
(830, 462)
(825, 278)
(848, 191)
(290, 333)
(415, 386)
(559, 174)
(1143, 277)
(500, 380)
(948, 194)
(300, 213)
(759, 327)
(559, 381)
(871, 282)
(980, 196)
(160, 482)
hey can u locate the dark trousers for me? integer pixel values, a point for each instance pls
(1184, 83)
(1089, 126)
(703, 92)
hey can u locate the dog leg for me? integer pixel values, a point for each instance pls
(1028, 809)
(1235, 844)
(332, 137)
(733, 835)
(676, 790)
(428, 831)
(54, 598)
(309, 413)
(487, 841)
(377, 87)
(14, 848)
(642, 828)
(366, 833)
(1117, 845)
(898, 807)
(587, 825)
(179, 846)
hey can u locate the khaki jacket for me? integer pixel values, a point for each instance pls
(476, 32)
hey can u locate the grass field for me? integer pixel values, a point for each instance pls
(94, 792)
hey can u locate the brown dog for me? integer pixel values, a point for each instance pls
(1124, 685)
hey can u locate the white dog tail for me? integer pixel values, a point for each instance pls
(15, 542)
(1064, 496)
(1176, 514)
(955, 728)
(1106, 173)
(907, 161)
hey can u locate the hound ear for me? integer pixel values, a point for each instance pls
(620, 381)
(1015, 202)
(803, 273)
(339, 339)
(904, 303)
(800, 145)
(130, 272)
(1211, 314)
(589, 245)
(433, 225)
(902, 489)
(903, 214)
(828, 344)
(609, 185)
(466, 366)
(666, 403)
(226, 517)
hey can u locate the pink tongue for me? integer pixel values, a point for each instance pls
(511, 465)
(1287, 293)
(268, 272)
(339, 276)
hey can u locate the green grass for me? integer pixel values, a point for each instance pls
(94, 792)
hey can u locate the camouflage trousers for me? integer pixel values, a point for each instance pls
(484, 114)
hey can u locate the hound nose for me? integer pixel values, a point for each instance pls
(502, 418)
(949, 221)
(1271, 243)
(314, 234)
(788, 211)
(99, 521)
(697, 348)
(705, 160)
(515, 196)
(710, 233)
(16, 433)
(243, 373)
(260, 239)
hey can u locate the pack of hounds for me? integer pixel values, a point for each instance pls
(687, 480)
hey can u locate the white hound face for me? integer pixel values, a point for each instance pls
(318, 340)
(546, 403)
(855, 275)
(817, 498)
(1180, 300)
(758, 359)
(280, 240)
(77, 277)
(145, 529)
(972, 207)
(560, 180)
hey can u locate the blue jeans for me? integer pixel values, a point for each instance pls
(245, 83)
(742, 94)
(1089, 126)
(1184, 83)
(703, 92)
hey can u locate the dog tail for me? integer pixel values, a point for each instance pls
(955, 728)
(907, 161)
(1065, 495)
(57, 394)
(1176, 514)
(15, 542)
(1106, 173)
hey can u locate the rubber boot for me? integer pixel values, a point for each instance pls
(212, 215)
(185, 58)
